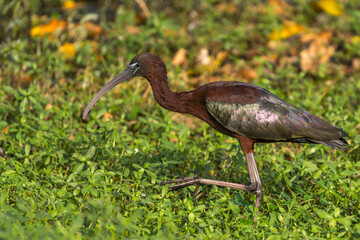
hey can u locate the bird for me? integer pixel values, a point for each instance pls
(243, 111)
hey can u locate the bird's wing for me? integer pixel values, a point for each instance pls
(262, 115)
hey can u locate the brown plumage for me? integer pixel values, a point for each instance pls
(246, 112)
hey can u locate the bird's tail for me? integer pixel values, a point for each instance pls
(339, 144)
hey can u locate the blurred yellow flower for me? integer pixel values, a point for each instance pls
(44, 29)
(68, 51)
(331, 7)
(355, 39)
(287, 30)
(69, 5)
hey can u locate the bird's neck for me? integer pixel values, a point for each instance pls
(168, 99)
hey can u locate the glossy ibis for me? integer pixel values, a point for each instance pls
(246, 112)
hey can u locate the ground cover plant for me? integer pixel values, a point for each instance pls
(65, 178)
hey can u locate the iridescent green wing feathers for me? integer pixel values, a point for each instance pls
(250, 120)
(270, 118)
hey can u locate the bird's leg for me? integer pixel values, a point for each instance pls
(188, 181)
(254, 185)
(255, 181)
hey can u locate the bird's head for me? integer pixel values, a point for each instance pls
(140, 66)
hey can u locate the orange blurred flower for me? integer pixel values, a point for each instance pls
(107, 117)
(44, 29)
(68, 5)
(92, 28)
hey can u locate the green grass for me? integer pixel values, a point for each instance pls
(63, 178)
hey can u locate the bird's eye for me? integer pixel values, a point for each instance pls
(134, 65)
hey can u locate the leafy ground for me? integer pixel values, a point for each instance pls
(63, 178)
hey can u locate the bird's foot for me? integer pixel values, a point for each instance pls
(188, 181)
(183, 182)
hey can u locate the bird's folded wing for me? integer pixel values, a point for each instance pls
(270, 118)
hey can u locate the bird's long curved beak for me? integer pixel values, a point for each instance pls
(123, 76)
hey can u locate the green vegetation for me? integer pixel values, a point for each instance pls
(63, 178)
